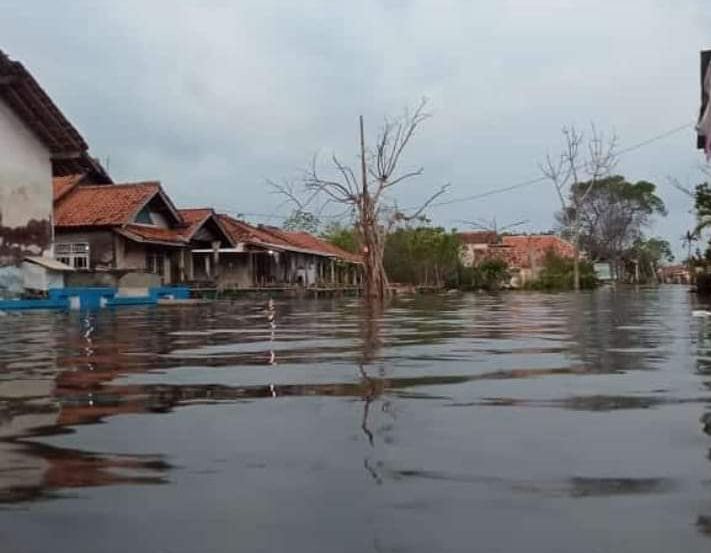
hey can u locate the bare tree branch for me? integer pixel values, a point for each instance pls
(575, 168)
(399, 216)
(366, 202)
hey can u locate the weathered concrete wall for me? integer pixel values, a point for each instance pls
(134, 256)
(25, 198)
(81, 279)
(139, 280)
(236, 271)
(101, 245)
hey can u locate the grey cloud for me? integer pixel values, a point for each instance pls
(214, 97)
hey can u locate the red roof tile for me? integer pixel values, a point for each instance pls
(197, 217)
(526, 251)
(104, 205)
(267, 236)
(63, 185)
(194, 219)
(477, 237)
(309, 242)
(244, 232)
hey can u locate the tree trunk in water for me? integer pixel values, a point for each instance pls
(376, 281)
(576, 261)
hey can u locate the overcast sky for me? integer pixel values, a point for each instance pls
(214, 97)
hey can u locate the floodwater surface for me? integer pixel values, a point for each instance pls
(517, 422)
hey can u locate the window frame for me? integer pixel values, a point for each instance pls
(74, 254)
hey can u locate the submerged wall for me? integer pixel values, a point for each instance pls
(25, 198)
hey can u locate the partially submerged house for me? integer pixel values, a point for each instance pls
(106, 232)
(119, 228)
(205, 236)
(524, 254)
(37, 142)
(267, 256)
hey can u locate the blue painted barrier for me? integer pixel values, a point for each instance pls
(95, 298)
(17, 305)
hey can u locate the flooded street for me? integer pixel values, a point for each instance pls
(551, 423)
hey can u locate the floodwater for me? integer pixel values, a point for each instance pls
(517, 422)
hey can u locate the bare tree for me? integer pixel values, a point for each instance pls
(583, 160)
(365, 195)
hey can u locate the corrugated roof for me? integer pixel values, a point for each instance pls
(23, 94)
(49, 263)
(266, 236)
(244, 232)
(26, 97)
(103, 205)
(309, 242)
(145, 233)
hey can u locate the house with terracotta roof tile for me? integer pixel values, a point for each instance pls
(112, 230)
(269, 256)
(37, 142)
(524, 254)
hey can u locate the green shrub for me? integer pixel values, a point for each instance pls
(558, 274)
(490, 274)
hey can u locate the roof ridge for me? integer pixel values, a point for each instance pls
(123, 185)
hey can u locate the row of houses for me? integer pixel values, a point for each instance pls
(113, 230)
(58, 203)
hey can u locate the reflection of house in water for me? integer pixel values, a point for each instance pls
(524, 254)
(17, 418)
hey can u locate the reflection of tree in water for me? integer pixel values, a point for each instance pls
(271, 319)
(31, 470)
(373, 387)
(83, 361)
(615, 331)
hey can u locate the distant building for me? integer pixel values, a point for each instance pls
(524, 254)
(36, 143)
(674, 274)
(475, 245)
(603, 271)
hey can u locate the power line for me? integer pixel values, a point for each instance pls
(540, 179)
(503, 189)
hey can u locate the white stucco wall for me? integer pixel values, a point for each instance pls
(25, 173)
(25, 197)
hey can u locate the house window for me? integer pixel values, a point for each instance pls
(75, 254)
(144, 217)
(154, 263)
